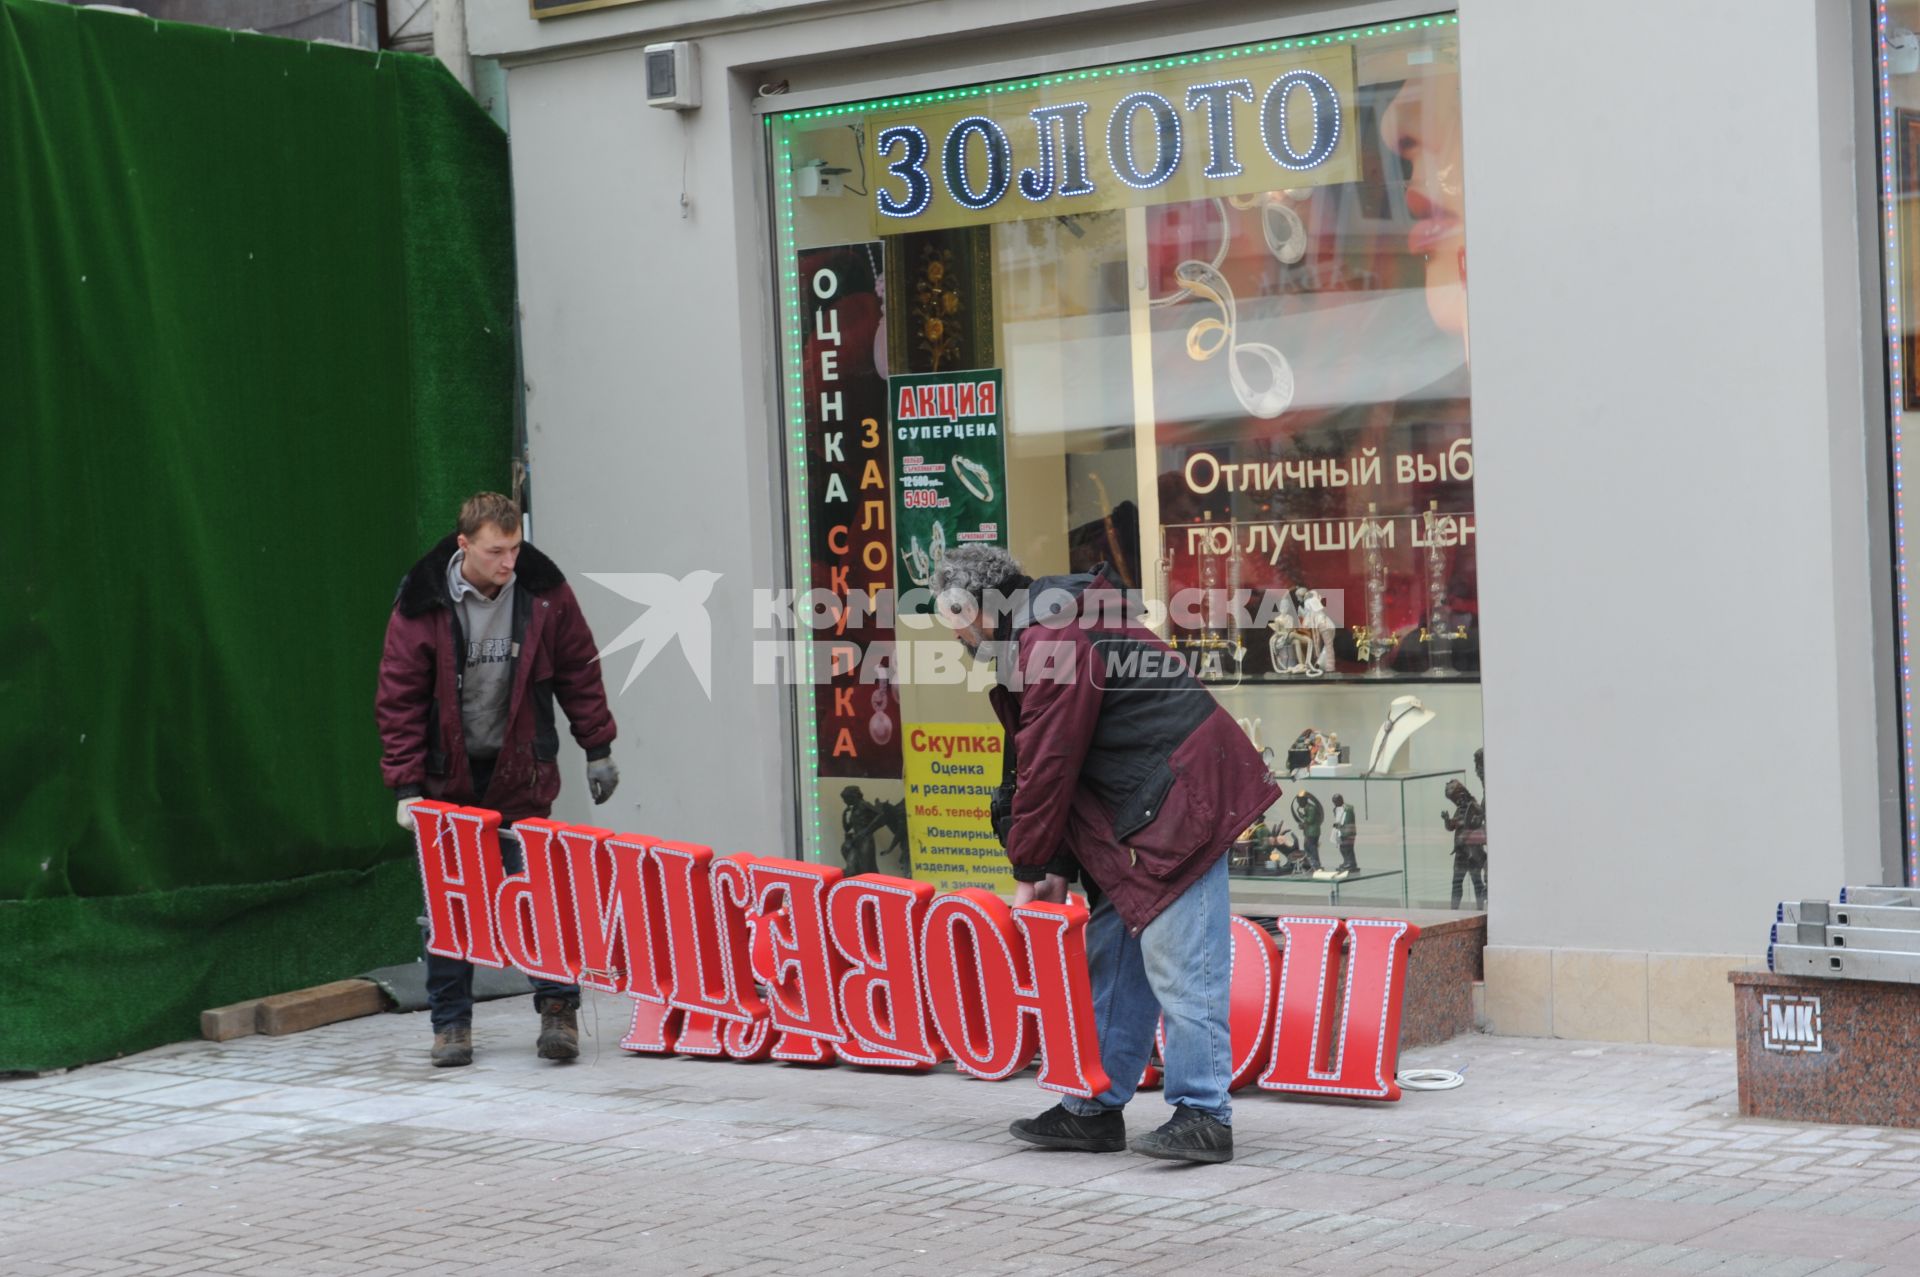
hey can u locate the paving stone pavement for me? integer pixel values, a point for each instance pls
(340, 1151)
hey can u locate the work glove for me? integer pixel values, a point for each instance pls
(400, 812)
(602, 779)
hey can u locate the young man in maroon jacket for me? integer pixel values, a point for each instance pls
(1122, 767)
(485, 636)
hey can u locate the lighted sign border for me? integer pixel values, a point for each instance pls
(1890, 200)
(793, 338)
(793, 334)
(1122, 68)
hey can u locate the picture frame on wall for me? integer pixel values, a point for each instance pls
(1907, 136)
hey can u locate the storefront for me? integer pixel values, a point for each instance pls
(1182, 290)
(1200, 318)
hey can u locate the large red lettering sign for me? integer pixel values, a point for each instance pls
(1358, 1060)
(757, 957)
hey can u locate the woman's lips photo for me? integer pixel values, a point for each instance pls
(1428, 233)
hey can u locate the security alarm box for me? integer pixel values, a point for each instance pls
(673, 76)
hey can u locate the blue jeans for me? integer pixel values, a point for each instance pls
(450, 980)
(1179, 968)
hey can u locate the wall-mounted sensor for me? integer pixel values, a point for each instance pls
(673, 75)
(817, 177)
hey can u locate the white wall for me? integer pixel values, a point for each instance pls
(1670, 426)
(651, 448)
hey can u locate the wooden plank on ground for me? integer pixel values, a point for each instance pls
(222, 1024)
(306, 1009)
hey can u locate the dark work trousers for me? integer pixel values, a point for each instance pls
(449, 980)
(1313, 851)
(1478, 874)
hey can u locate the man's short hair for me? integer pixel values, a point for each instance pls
(483, 508)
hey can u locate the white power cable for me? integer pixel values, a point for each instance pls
(1429, 1080)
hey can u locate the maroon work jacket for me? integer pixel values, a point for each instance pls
(423, 749)
(1121, 757)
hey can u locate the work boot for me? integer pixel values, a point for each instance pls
(1057, 1128)
(452, 1046)
(559, 1030)
(1189, 1136)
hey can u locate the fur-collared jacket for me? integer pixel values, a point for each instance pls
(423, 749)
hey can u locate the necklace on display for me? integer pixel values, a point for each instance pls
(1386, 734)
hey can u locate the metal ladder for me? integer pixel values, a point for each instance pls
(1869, 933)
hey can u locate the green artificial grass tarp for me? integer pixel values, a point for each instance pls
(258, 347)
(89, 979)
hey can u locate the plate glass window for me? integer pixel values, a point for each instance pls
(1198, 322)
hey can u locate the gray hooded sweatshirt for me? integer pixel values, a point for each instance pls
(488, 683)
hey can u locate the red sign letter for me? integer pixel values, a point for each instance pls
(1363, 1059)
(1060, 999)
(971, 983)
(459, 864)
(874, 922)
(987, 988)
(798, 969)
(623, 933)
(534, 909)
(702, 980)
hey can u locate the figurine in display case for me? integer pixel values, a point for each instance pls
(1286, 859)
(1280, 641)
(1345, 834)
(1300, 753)
(1468, 823)
(1311, 817)
(858, 823)
(1302, 638)
(1248, 854)
(1314, 639)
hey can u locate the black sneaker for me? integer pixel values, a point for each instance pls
(1189, 1136)
(1057, 1128)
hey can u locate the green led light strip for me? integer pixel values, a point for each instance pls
(1127, 68)
(793, 330)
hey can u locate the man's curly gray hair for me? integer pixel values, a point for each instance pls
(972, 571)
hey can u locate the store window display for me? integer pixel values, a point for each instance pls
(1201, 319)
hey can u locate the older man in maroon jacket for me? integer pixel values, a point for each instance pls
(485, 636)
(1121, 766)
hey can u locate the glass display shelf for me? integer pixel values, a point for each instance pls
(1388, 843)
(1331, 881)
